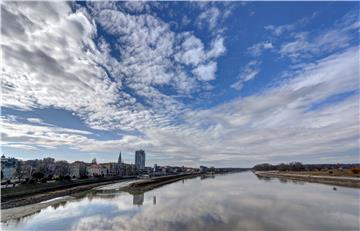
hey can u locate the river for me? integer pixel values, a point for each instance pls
(239, 201)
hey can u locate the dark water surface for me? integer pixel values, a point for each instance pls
(238, 201)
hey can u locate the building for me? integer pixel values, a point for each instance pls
(8, 167)
(140, 159)
(93, 170)
(77, 169)
(74, 171)
(62, 168)
(104, 171)
(8, 172)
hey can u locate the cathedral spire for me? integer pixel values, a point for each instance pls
(119, 160)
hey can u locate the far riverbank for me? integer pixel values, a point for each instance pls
(353, 182)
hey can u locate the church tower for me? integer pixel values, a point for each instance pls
(119, 160)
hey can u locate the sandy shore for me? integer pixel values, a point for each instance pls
(332, 180)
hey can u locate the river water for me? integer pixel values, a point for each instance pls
(239, 201)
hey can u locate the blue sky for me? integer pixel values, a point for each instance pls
(214, 83)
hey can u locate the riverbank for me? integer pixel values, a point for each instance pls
(24, 206)
(353, 182)
(23, 211)
(31, 194)
(154, 182)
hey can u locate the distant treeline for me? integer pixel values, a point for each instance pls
(298, 166)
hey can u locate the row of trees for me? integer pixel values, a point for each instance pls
(293, 166)
(298, 166)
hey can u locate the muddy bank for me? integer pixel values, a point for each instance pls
(151, 183)
(23, 211)
(332, 180)
(32, 197)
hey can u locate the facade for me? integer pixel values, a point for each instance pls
(104, 171)
(8, 167)
(62, 168)
(93, 170)
(8, 172)
(140, 159)
(77, 169)
(74, 171)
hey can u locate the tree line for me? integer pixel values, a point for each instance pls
(298, 166)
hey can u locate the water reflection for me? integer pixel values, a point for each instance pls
(138, 199)
(227, 202)
(281, 180)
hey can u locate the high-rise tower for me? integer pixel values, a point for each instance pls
(140, 159)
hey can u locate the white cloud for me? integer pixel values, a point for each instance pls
(249, 72)
(206, 72)
(276, 121)
(279, 30)
(314, 43)
(62, 66)
(217, 48)
(258, 48)
(209, 18)
(192, 51)
(136, 6)
(53, 60)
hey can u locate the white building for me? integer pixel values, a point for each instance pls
(104, 171)
(8, 172)
(8, 167)
(74, 171)
(93, 170)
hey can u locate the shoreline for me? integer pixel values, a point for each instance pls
(25, 206)
(151, 183)
(351, 182)
(12, 201)
(27, 210)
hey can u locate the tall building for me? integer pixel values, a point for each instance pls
(140, 159)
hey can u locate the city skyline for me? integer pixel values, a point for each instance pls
(217, 84)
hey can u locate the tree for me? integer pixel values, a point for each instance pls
(19, 170)
(282, 167)
(38, 175)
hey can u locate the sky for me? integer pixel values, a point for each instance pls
(192, 83)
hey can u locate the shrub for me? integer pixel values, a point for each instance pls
(355, 170)
(32, 181)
